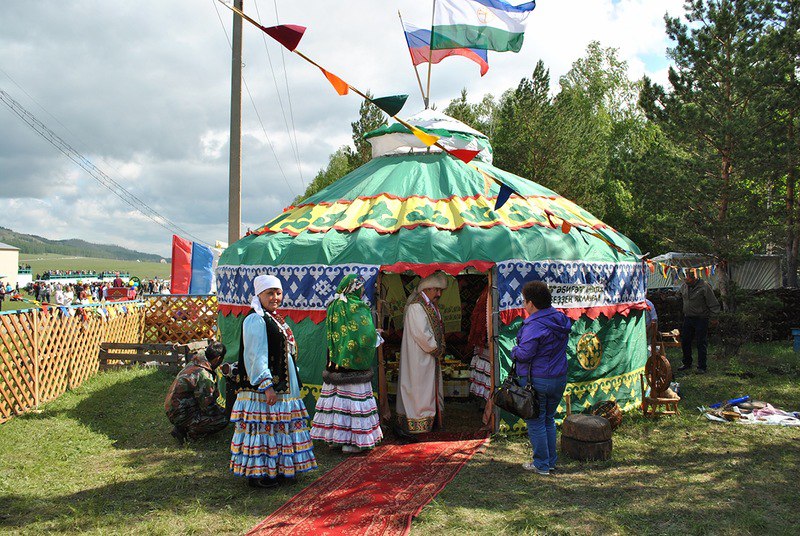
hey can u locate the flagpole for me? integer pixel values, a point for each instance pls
(430, 54)
(416, 72)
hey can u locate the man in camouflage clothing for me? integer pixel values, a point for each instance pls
(191, 402)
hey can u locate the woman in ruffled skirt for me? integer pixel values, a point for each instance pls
(480, 369)
(346, 414)
(271, 440)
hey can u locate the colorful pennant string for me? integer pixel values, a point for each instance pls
(424, 137)
(674, 272)
(289, 35)
(465, 155)
(503, 196)
(390, 105)
(341, 87)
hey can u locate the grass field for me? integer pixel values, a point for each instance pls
(49, 261)
(100, 460)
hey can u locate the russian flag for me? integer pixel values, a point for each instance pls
(192, 267)
(419, 45)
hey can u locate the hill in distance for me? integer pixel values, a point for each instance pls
(33, 244)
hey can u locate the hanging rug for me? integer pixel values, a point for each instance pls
(374, 494)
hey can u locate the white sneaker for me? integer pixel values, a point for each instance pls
(528, 466)
(350, 449)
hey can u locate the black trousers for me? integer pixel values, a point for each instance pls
(695, 328)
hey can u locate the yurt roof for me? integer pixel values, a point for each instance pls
(429, 208)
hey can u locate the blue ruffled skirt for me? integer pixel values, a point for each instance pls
(270, 440)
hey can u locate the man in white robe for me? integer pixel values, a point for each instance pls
(420, 393)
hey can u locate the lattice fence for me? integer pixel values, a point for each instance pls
(180, 318)
(43, 354)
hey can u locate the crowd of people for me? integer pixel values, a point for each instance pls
(70, 293)
(273, 440)
(52, 274)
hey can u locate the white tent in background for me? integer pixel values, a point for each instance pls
(760, 272)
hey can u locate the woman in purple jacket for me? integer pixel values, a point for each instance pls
(541, 353)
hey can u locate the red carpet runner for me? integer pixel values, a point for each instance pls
(376, 494)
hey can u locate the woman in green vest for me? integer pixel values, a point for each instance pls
(346, 413)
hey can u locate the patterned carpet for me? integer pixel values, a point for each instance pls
(374, 494)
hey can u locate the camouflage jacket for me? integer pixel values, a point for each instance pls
(193, 391)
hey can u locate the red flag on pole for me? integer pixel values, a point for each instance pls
(181, 273)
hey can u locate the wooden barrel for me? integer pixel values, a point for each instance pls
(584, 450)
(586, 437)
(610, 410)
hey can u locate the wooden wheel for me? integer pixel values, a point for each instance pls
(658, 372)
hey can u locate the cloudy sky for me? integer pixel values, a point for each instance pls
(141, 88)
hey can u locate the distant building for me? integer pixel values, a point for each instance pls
(9, 263)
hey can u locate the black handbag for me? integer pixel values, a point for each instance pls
(513, 398)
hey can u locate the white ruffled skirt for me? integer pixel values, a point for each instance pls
(347, 415)
(480, 380)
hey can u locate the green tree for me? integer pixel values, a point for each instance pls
(345, 159)
(338, 166)
(479, 116)
(522, 136)
(709, 112)
(777, 151)
(595, 118)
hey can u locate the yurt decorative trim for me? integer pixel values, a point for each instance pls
(307, 289)
(578, 287)
(389, 214)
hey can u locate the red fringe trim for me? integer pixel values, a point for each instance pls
(508, 316)
(382, 231)
(424, 270)
(297, 315)
(399, 198)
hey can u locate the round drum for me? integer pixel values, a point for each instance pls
(610, 410)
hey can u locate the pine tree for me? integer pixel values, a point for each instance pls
(717, 79)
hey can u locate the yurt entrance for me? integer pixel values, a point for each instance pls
(468, 365)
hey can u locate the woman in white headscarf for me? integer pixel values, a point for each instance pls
(271, 440)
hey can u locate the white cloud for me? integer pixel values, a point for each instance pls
(142, 88)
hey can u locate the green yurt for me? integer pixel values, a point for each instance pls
(413, 210)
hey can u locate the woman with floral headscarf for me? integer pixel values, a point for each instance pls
(346, 412)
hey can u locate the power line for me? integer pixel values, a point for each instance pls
(255, 109)
(113, 186)
(292, 133)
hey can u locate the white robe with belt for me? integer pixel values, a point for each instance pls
(420, 375)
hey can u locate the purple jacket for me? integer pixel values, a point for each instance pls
(542, 344)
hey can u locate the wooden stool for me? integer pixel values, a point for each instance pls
(652, 406)
(670, 339)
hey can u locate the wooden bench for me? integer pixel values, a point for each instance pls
(171, 356)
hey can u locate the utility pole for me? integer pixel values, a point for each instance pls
(235, 176)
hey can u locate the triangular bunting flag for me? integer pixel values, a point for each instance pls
(391, 105)
(465, 155)
(550, 219)
(288, 35)
(424, 137)
(502, 197)
(338, 84)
